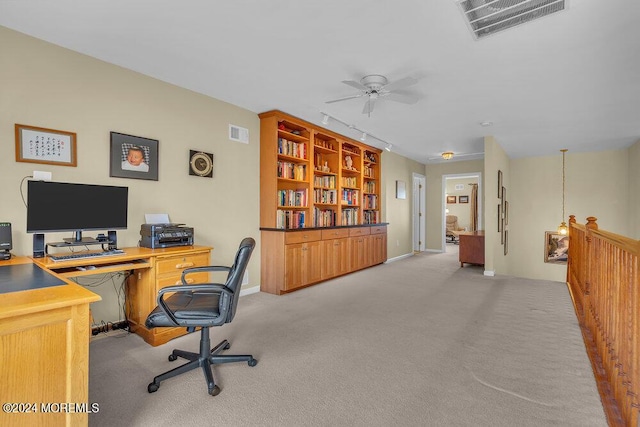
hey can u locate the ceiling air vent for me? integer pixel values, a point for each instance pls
(486, 17)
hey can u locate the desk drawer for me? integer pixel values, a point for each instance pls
(179, 263)
(335, 233)
(175, 280)
(379, 229)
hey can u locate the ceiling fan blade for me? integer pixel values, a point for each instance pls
(356, 85)
(344, 98)
(404, 98)
(368, 106)
(399, 84)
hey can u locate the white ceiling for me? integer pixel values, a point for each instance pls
(569, 80)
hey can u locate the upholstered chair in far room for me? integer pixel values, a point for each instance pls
(452, 229)
(202, 305)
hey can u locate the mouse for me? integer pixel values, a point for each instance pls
(91, 267)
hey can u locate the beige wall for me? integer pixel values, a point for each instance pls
(495, 159)
(398, 212)
(47, 86)
(634, 184)
(434, 201)
(596, 184)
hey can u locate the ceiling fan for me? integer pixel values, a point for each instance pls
(376, 87)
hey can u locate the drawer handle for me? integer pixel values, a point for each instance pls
(184, 265)
(179, 282)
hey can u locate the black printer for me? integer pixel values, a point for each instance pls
(165, 235)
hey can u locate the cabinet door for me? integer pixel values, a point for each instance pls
(378, 248)
(357, 252)
(303, 264)
(293, 261)
(335, 258)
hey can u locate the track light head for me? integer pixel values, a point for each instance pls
(325, 119)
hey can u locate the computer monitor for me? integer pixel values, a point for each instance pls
(63, 206)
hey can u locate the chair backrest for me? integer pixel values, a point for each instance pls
(236, 273)
(452, 222)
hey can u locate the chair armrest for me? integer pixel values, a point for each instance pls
(217, 287)
(206, 269)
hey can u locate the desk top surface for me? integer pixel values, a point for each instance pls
(24, 302)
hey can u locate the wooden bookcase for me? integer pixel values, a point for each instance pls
(319, 204)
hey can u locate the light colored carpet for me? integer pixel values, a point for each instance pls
(417, 342)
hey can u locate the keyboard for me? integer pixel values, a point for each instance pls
(86, 255)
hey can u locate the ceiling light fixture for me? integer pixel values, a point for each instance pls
(447, 155)
(562, 228)
(363, 137)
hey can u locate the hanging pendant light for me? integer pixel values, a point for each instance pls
(562, 228)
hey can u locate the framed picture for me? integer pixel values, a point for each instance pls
(200, 164)
(451, 199)
(133, 157)
(401, 190)
(499, 217)
(506, 213)
(463, 199)
(506, 242)
(504, 198)
(499, 184)
(48, 146)
(556, 247)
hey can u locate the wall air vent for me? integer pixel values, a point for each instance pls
(238, 134)
(486, 17)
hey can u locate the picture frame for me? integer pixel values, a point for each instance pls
(46, 146)
(499, 184)
(401, 190)
(499, 217)
(463, 199)
(504, 198)
(451, 199)
(556, 247)
(133, 157)
(506, 212)
(506, 242)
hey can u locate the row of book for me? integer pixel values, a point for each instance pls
(293, 149)
(369, 187)
(349, 181)
(324, 218)
(371, 217)
(325, 196)
(292, 170)
(370, 201)
(293, 197)
(368, 172)
(350, 197)
(349, 216)
(324, 181)
(290, 219)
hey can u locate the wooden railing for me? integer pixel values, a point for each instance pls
(602, 276)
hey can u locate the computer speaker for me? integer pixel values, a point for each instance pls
(38, 245)
(113, 239)
(6, 243)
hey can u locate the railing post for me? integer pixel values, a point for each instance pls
(590, 225)
(572, 220)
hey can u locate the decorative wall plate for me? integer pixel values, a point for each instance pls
(200, 164)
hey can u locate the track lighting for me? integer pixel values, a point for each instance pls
(363, 137)
(325, 119)
(387, 147)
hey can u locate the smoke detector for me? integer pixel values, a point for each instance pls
(486, 17)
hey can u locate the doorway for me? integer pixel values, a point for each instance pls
(458, 199)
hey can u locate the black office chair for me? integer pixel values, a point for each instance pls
(202, 305)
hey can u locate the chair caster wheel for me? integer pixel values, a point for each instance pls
(153, 387)
(252, 362)
(215, 391)
(172, 357)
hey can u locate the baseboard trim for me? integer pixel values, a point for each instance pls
(437, 251)
(249, 291)
(490, 273)
(398, 258)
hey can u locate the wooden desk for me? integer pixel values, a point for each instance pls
(44, 348)
(471, 248)
(151, 270)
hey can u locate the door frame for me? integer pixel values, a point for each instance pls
(419, 186)
(478, 176)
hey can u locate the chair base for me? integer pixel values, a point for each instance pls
(204, 359)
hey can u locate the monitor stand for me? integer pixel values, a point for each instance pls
(79, 240)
